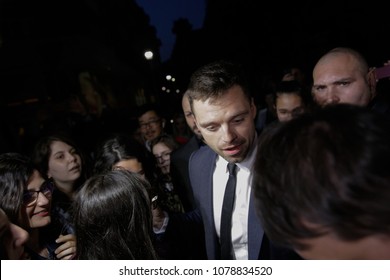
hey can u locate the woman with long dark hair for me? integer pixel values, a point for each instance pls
(112, 218)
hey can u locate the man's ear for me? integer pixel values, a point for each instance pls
(253, 108)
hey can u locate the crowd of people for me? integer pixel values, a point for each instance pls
(304, 178)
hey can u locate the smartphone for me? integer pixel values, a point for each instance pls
(382, 72)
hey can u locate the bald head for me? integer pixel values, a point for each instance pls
(341, 76)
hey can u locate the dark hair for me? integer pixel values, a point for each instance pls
(42, 150)
(329, 169)
(292, 87)
(148, 107)
(15, 171)
(167, 140)
(113, 219)
(119, 147)
(214, 79)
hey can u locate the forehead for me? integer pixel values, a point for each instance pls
(148, 115)
(59, 146)
(288, 99)
(230, 103)
(186, 104)
(160, 147)
(336, 64)
(35, 181)
(129, 164)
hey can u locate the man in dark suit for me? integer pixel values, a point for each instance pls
(180, 158)
(224, 112)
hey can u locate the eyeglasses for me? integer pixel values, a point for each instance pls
(163, 156)
(149, 123)
(31, 197)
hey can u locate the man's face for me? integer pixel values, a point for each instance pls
(227, 124)
(338, 79)
(190, 117)
(151, 125)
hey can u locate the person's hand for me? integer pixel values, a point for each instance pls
(67, 250)
(158, 217)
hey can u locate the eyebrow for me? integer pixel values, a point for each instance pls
(339, 80)
(34, 187)
(239, 114)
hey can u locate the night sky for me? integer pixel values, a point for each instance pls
(164, 13)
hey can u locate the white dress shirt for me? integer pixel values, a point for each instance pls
(241, 204)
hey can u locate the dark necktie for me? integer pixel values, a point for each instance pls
(226, 215)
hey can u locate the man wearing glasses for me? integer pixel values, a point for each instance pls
(151, 124)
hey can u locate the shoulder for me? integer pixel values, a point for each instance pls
(202, 160)
(186, 150)
(203, 153)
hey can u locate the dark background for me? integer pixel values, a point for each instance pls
(44, 45)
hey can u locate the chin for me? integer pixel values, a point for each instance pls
(41, 223)
(76, 177)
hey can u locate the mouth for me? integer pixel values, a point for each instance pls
(43, 213)
(75, 168)
(233, 150)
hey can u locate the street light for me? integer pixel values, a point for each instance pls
(148, 55)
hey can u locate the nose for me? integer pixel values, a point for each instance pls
(72, 157)
(229, 134)
(332, 96)
(288, 117)
(42, 199)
